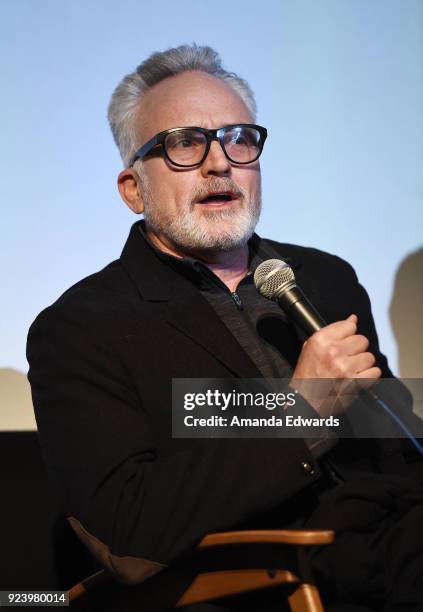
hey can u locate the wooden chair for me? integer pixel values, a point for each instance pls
(223, 565)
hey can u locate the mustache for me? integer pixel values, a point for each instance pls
(216, 185)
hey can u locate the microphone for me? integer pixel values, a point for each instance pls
(275, 280)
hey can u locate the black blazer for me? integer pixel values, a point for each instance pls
(102, 359)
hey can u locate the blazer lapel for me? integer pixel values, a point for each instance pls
(188, 310)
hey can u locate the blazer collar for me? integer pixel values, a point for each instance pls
(188, 310)
(155, 279)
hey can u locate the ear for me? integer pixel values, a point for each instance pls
(128, 185)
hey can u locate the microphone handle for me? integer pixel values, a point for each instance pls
(298, 309)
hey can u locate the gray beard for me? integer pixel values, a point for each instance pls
(214, 230)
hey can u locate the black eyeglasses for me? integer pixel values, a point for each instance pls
(189, 146)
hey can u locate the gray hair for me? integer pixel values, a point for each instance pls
(122, 112)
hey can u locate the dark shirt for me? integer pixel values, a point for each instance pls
(258, 324)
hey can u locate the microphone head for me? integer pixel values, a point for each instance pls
(273, 277)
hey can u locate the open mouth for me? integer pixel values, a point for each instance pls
(218, 198)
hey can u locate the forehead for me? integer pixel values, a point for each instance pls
(191, 98)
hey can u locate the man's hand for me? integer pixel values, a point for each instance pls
(336, 352)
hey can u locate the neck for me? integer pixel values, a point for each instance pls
(229, 266)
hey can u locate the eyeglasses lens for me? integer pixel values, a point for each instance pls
(187, 147)
(242, 144)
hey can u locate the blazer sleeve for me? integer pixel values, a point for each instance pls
(391, 391)
(366, 325)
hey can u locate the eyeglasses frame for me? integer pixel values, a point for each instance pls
(217, 134)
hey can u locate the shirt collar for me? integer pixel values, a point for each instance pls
(196, 271)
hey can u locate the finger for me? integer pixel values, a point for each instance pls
(362, 362)
(354, 345)
(371, 373)
(337, 330)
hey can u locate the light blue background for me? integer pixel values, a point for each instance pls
(339, 85)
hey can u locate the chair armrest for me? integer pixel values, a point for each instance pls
(223, 564)
(268, 536)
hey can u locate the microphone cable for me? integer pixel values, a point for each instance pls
(398, 421)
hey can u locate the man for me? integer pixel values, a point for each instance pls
(180, 303)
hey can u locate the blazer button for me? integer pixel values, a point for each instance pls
(308, 468)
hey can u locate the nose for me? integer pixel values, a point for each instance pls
(216, 162)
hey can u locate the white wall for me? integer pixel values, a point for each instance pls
(339, 85)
